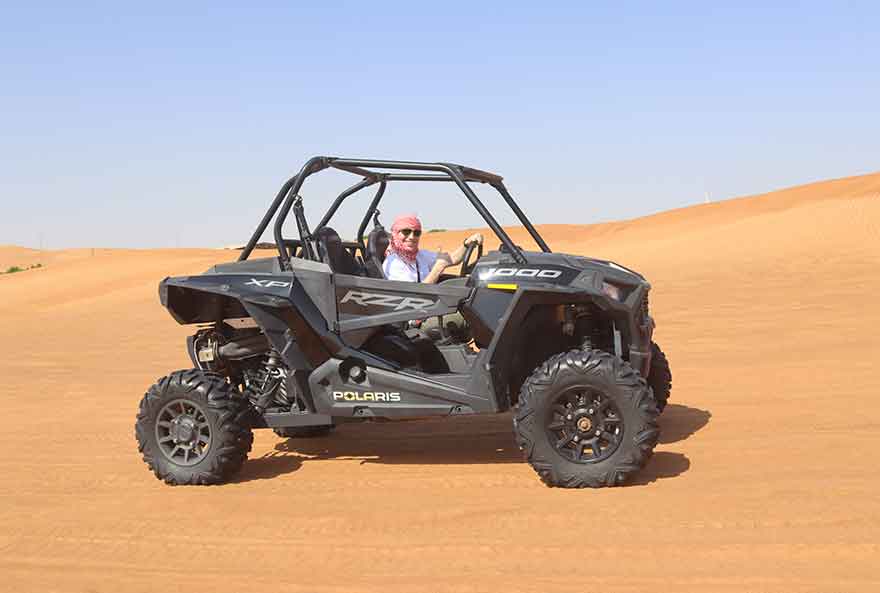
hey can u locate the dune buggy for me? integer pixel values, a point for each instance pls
(315, 336)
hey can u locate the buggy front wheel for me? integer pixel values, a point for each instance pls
(659, 377)
(586, 419)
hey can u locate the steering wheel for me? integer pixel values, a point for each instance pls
(467, 268)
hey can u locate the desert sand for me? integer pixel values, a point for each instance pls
(765, 478)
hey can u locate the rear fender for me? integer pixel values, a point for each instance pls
(200, 300)
(280, 306)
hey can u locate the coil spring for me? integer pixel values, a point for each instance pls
(269, 384)
(586, 328)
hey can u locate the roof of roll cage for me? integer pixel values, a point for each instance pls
(376, 169)
(381, 172)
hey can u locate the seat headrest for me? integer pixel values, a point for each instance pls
(329, 245)
(377, 244)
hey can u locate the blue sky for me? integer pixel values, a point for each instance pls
(174, 124)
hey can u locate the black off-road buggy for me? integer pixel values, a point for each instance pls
(316, 336)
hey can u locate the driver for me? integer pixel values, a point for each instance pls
(405, 261)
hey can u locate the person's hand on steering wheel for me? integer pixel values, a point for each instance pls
(475, 238)
(472, 243)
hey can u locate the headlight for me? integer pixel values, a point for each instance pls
(612, 291)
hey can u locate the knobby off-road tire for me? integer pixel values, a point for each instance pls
(576, 394)
(303, 432)
(192, 428)
(659, 376)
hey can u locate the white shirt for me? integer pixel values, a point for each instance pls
(397, 269)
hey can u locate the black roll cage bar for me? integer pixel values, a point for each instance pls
(288, 197)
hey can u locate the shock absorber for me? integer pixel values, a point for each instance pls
(586, 328)
(273, 386)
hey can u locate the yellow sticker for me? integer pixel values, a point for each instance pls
(502, 286)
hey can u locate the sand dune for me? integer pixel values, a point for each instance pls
(764, 479)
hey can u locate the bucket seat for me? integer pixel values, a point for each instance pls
(377, 245)
(332, 253)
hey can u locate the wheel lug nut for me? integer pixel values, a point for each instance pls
(598, 431)
(569, 417)
(590, 411)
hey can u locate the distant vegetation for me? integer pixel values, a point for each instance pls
(14, 269)
(436, 230)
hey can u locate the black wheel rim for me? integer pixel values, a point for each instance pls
(584, 425)
(183, 432)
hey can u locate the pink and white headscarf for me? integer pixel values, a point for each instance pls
(405, 252)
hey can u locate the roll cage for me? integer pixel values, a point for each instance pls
(374, 172)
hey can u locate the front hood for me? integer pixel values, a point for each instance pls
(582, 263)
(606, 283)
(559, 269)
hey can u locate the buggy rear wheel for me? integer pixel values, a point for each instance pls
(192, 428)
(586, 419)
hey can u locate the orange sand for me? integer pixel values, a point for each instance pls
(765, 478)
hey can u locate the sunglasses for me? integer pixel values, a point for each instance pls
(413, 232)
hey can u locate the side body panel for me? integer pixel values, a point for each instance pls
(392, 394)
(298, 312)
(371, 302)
